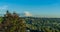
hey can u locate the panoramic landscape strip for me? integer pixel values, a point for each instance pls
(11, 22)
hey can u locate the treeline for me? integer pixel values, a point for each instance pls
(44, 24)
(12, 23)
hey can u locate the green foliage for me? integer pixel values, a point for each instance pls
(1, 19)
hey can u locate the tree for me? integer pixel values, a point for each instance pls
(13, 23)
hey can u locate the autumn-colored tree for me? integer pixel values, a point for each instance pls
(13, 23)
(7, 21)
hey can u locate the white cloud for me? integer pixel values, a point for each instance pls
(27, 13)
(3, 9)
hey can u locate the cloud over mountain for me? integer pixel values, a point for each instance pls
(26, 13)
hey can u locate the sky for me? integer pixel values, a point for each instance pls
(41, 8)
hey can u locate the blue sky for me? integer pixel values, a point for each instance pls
(48, 8)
